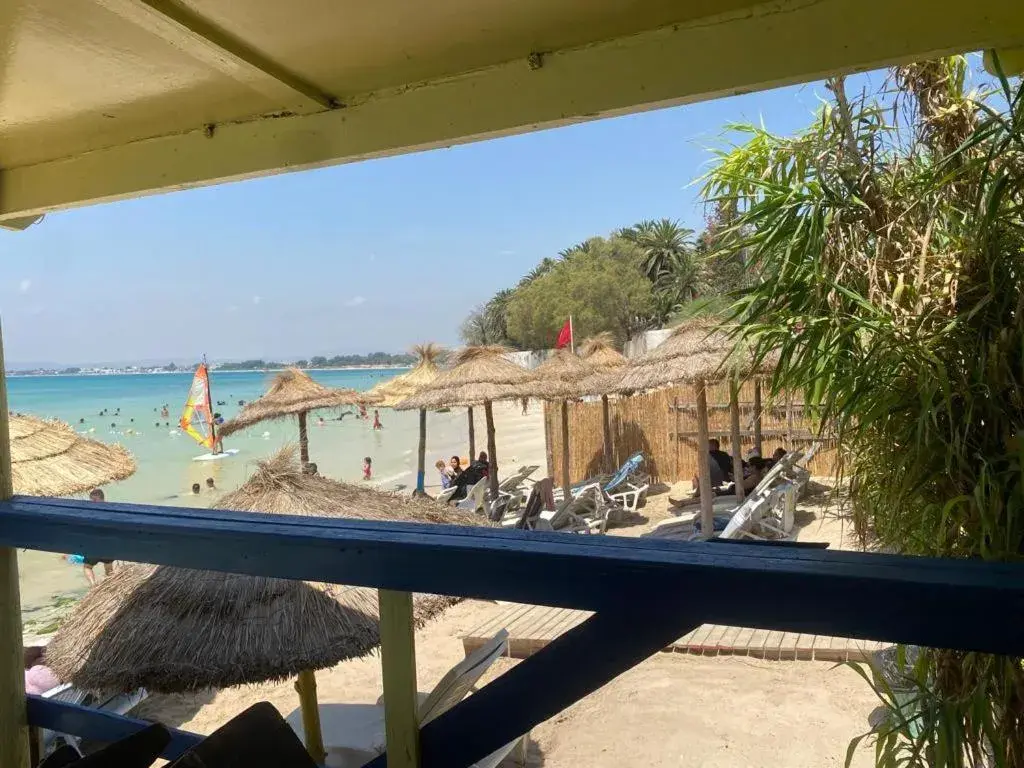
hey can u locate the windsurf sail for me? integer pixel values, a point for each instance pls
(197, 418)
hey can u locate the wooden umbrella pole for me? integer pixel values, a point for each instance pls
(789, 420)
(707, 501)
(734, 438)
(421, 458)
(303, 441)
(472, 435)
(606, 423)
(14, 750)
(398, 670)
(492, 453)
(757, 416)
(314, 739)
(566, 481)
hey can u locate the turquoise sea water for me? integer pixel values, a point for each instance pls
(165, 469)
(164, 455)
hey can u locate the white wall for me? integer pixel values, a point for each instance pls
(646, 342)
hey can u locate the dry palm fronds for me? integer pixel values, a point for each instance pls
(48, 458)
(291, 392)
(174, 629)
(479, 374)
(700, 350)
(393, 391)
(561, 377)
(599, 352)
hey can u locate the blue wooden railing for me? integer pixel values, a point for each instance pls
(645, 592)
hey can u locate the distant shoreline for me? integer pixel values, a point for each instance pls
(122, 372)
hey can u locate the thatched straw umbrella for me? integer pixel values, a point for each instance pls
(560, 378)
(699, 351)
(480, 375)
(48, 458)
(293, 393)
(393, 391)
(599, 353)
(174, 629)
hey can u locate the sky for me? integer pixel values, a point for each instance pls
(356, 258)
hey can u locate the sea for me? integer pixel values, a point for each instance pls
(131, 405)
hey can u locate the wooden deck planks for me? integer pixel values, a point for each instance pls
(531, 627)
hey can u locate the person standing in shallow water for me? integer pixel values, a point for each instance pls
(89, 563)
(367, 468)
(376, 420)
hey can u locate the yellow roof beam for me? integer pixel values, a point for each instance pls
(773, 45)
(202, 40)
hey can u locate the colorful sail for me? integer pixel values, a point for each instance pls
(197, 418)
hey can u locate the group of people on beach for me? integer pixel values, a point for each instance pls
(453, 475)
(723, 480)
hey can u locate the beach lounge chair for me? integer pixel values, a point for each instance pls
(514, 483)
(354, 733)
(526, 516)
(116, 703)
(474, 500)
(626, 488)
(583, 514)
(445, 496)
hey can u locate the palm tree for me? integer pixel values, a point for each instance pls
(665, 242)
(889, 254)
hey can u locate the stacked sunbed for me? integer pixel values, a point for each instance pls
(767, 513)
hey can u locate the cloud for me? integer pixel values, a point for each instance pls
(355, 301)
(257, 299)
(24, 285)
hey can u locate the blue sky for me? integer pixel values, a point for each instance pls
(370, 256)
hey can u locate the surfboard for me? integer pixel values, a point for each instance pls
(216, 456)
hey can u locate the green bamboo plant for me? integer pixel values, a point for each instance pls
(888, 240)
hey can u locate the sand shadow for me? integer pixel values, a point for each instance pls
(173, 709)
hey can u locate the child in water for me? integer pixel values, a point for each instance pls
(367, 468)
(376, 420)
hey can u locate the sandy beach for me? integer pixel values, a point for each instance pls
(672, 710)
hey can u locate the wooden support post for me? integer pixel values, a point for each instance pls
(303, 441)
(492, 453)
(472, 435)
(421, 456)
(566, 480)
(398, 666)
(678, 442)
(789, 420)
(606, 424)
(310, 707)
(757, 416)
(707, 500)
(734, 438)
(14, 749)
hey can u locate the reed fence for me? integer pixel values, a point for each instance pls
(663, 425)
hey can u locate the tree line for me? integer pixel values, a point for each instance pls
(320, 361)
(636, 278)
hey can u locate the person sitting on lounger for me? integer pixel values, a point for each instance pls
(721, 458)
(39, 678)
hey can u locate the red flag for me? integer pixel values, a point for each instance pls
(564, 335)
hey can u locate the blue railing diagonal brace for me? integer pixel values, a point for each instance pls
(574, 665)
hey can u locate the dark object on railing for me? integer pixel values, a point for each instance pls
(97, 725)
(139, 750)
(257, 738)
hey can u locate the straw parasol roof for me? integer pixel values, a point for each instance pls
(48, 458)
(701, 349)
(479, 374)
(292, 392)
(561, 377)
(173, 629)
(393, 391)
(279, 486)
(599, 352)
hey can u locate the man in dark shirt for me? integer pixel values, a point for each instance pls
(720, 457)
